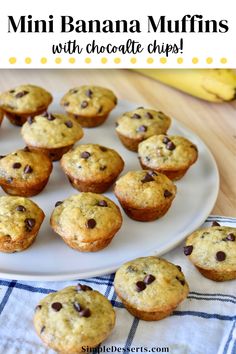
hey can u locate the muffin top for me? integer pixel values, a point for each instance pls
(92, 162)
(167, 152)
(25, 167)
(213, 248)
(89, 101)
(74, 317)
(19, 217)
(25, 99)
(144, 189)
(51, 131)
(87, 217)
(151, 284)
(142, 123)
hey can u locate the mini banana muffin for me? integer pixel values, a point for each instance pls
(139, 124)
(24, 173)
(24, 101)
(170, 155)
(145, 195)
(74, 318)
(213, 252)
(92, 167)
(20, 221)
(53, 134)
(87, 222)
(150, 288)
(90, 105)
(1, 116)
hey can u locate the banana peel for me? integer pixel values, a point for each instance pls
(214, 85)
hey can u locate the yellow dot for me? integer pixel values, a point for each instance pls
(104, 60)
(195, 60)
(28, 60)
(180, 60)
(43, 60)
(133, 60)
(163, 60)
(223, 60)
(71, 60)
(150, 60)
(87, 60)
(117, 60)
(209, 60)
(58, 60)
(12, 60)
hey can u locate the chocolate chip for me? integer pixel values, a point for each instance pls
(103, 148)
(180, 269)
(188, 250)
(182, 281)
(220, 256)
(26, 149)
(21, 94)
(149, 279)
(84, 104)
(30, 120)
(170, 145)
(77, 306)
(142, 128)
(12, 91)
(28, 169)
(117, 124)
(140, 286)
(89, 93)
(16, 165)
(115, 100)
(9, 179)
(215, 223)
(230, 237)
(85, 155)
(50, 117)
(21, 208)
(102, 168)
(167, 193)
(2, 156)
(81, 287)
(42, 329)
(100, 109)
(66, 104)
(85, 313)
(38, 307)
(149, 115)
(91, 223)
(73, 91)
(102, 203)
(140, 107)
(58, 203)
(136, 116)
(45, 114)
(165, 140)
(147, 178)
(29, 224)
(56, 306)
(69, 124)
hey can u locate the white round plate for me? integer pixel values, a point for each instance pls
(50, 259)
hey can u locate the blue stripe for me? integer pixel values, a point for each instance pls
(229, 339)
(212, 299)
(234, 348)
(209, 294)
(131, 334)
(204, 315)
(7, 295)
(109, 287)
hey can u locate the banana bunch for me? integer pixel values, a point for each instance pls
(214, 85)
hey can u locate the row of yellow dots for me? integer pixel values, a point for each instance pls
(104, 60)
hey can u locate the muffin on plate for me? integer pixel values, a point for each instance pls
(170, 155)
(24, 101)
(1, 116)
(24, 173)
(139, 124)
(150, 288)
(92, 167)
(90, 105)
(87, 222)
(20, 221)
(74, 318)
(213, 252)
(145, 195)
(53, 134)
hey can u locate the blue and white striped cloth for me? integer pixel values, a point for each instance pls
(205, 323)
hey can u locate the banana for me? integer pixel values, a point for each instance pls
(214, 85)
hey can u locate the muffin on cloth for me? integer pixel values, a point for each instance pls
(20, 221)
(92, 167)
(170, 155)
(139, 124)
(213, 251)
(74, 319)
(145, 195)
(87, 222)
(150, 288)
(90, 105)
(24, 173)
(53, 134)
(24, 101)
